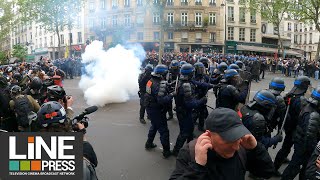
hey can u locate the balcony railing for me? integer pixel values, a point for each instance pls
(184, 3)
(198, 3)
(185, 25)
(212, 4)
(184, 40)
(169, 3)
(198, 40)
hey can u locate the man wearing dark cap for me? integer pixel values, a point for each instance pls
(224, 152)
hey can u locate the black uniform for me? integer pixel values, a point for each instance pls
(143, 79)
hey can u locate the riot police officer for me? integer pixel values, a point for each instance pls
(185, 103)
(276, 86)
(202, 82)
(173, 77)
(143, 79)
(157, 99)
(306, 137)
(34, 90)
(219, 72)
(255, 117)
(228, 95)
(294, 97)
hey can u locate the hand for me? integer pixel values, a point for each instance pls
(69, 101)
(318, 163)
(201, 148)
(80, 126)
(248, 141)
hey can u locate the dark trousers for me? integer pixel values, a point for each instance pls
(170, 112)
(284, 151)
(70, 72)
(262, 72)
(299, 157)
(186, 128)
(200, 113)
(142, 107)
(158, 124)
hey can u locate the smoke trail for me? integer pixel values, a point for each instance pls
(112, 76)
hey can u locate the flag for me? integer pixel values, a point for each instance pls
(66, 54)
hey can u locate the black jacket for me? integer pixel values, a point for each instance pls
(257, 161)
(312, 171)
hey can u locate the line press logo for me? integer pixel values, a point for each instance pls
(44, 154)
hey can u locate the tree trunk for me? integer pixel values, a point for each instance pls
(281, 45)
(59, 45)
(318, 50)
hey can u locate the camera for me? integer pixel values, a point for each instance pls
(81, 118)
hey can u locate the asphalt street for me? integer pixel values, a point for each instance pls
(118, 137)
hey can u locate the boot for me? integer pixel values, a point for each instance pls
(166, 153)
(150, 146)
(142, 121)
(175, 152)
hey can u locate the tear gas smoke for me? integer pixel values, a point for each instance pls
(111, 76)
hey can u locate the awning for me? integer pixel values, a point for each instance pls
(272, 36)
(267, 50)
(77, 48)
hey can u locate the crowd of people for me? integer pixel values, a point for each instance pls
(237, 133)
(32, 99)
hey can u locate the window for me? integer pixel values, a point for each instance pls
(198, 2)
(288, 35)
(184, 2)
(70, 38)
(300, 40)
(169, 2)
(198, 37)
(184, 37)
(212, 2)
(31, 36)
(114, 4)
(114, 20)
(62, 38)
(253, 16)
(127, 20)
(156, 18)
(310, 38)
(289, 26)
(242, 34)
(170, 18)
(140, 35)
(301, 27)
(51, 40)
(79, 37)
(295, 27)
(156, 1)
(295, 39)
(230, 33)
(36, 42)
(103, 4)
(311, 28)
(198, 19)
(39, 42)
(126, 3)
(91, 22)
(139, 2)
(252, 35)
(184, 19)
(45, 42)
(242, 14)
(103, 23)
(91, 6)
(79, 21)
(305, 39)
(156, 35)
(212, 37)
(212, 18)
(170, 35)
(230, 13)
(140, 20)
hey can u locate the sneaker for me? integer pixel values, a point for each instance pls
(149, 146)
(166, 154)
(142, 121)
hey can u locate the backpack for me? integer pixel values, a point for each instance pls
(23, 108)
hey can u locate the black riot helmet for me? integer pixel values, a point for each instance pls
(17, 77)
(199, 68)
(230, 73)
(160, 70)
(3, 82)
(315, 97)
(55, 93)
(301, 85)
(148, 68)
(15, 90)
(51, 112)
(204, 61)
(36, 83)
(265, 99)
(187, 71)
(276, 86)
(222, 67)
(182, 63)
(239, 63)
(174, 65)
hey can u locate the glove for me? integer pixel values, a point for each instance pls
(204, 100)
(278, 137)
(139, 94)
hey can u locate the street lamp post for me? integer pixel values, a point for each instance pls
(224, 4)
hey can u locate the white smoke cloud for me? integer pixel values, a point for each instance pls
(112, 76)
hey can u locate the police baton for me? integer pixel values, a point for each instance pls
(284, 120)
(210, 107)
(176, 86)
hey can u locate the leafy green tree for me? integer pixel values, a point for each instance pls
(3, 57)
(20, 52)
(53, 15)
(6, 18)
(308, 11)
(273, 11)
